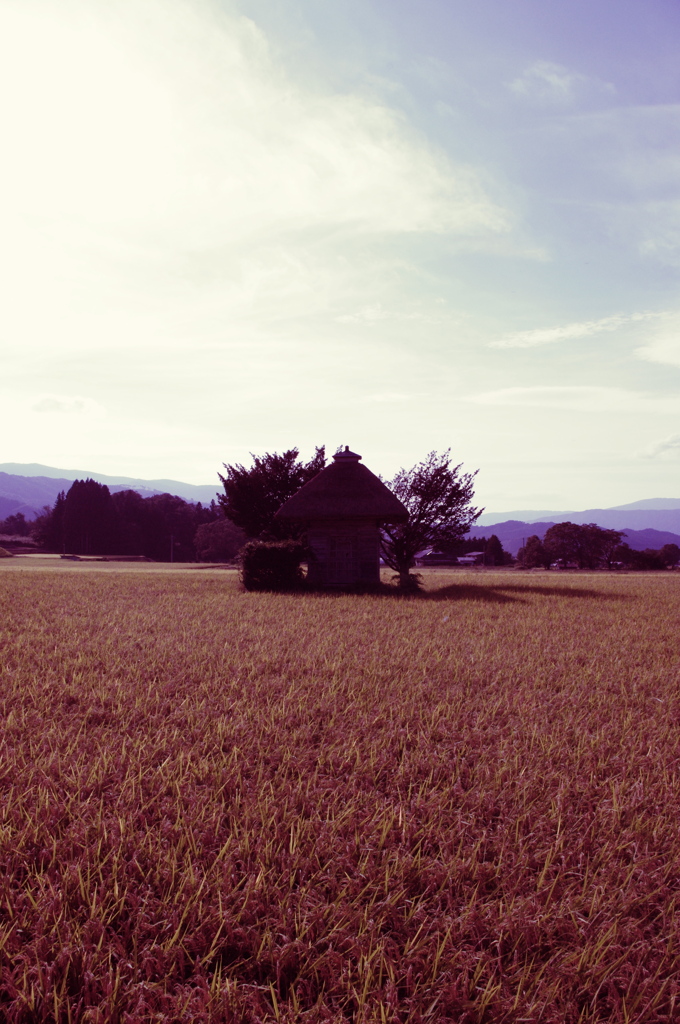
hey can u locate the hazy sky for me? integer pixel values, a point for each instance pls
(395, 224)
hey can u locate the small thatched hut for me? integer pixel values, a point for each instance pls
(342, 509)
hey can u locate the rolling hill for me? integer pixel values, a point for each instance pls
(29, 487)
(513, 534)
(650, 514)
(648, 523)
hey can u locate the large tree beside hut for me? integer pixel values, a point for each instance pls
(438, 497)
(253, 495)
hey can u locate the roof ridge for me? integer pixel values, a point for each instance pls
(344, 489)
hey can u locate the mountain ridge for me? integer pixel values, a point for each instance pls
(525, 515)
(608, 518)
(28, 487)
(30, 492)
(513, 534)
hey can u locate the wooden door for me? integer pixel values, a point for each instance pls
(343, 560)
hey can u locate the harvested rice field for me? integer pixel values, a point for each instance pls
(228, 807)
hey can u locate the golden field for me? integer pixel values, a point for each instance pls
(221, 806)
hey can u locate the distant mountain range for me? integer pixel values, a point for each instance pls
(536, 515)
(513, 533)
(650, 523)
(650, 513)
(29, 487)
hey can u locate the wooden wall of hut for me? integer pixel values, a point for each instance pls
(346, 552)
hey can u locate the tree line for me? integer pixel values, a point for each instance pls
(589, 546)
(490, 550)
(16, 525)
(89, 520)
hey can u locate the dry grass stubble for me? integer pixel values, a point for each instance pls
(245, 807)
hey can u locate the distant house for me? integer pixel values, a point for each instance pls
(430, 557)
(471, 558)
(342, 509)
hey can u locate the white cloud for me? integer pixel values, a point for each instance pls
(182, 223)
(670, 445)
(389, 396)
(660, 228)
(375, 313)
(227, 257)
(367, 315)
(435, 72)
(548, 84)
(71, 430)
(664, 344)
(629, 172)
(580, 398)
(583, 329)
(69, 405)
(158, 151)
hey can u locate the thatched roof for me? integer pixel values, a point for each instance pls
(345, 489)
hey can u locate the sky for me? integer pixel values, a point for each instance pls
(401, 225)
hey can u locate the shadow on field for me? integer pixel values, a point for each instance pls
(504, 593)
(511, 593)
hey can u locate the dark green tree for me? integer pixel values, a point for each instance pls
(589, 545)
(161, 527)
(132, 516)
(562, 542)
(670, 554)
(16, 525)
(533, 555)
(48, 528)
(606, 542)
(639, 561)
(462, 546)
(438, 499)
(493, 551)
(253, 495)
(89, 519)
(170, 527)
(218, 541)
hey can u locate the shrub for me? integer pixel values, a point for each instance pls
(272, 565)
